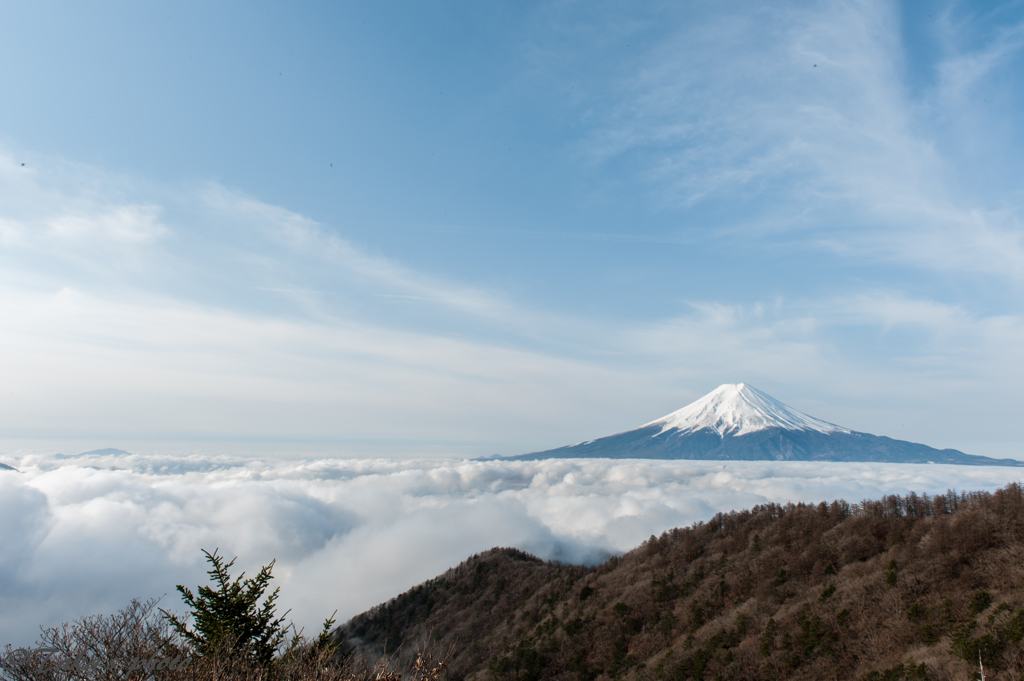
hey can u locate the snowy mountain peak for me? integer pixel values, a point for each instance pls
(737, 409)
(707, 430)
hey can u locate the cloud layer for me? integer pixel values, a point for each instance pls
(158, 314)
(821, 124)
(816, 198)
(94, 532)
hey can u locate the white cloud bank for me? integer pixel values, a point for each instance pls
(85, 536)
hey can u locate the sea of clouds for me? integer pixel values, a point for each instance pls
(83, 536)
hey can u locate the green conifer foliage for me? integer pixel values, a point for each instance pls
(768, 638)
(891, 572)
(230, 618)
(979, 602)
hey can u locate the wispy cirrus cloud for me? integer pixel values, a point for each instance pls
(969, 64)
(200, 313)
(805, 121)
(301, 237)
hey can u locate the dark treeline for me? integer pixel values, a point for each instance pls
(904, 587)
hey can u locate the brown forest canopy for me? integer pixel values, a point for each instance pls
(904, 587)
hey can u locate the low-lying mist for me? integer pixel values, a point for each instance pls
(83, 536)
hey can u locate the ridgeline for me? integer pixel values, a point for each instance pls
(911, 587)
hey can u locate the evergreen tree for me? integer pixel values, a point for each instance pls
(229, 618)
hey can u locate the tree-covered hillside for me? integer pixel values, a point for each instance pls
(901, 588)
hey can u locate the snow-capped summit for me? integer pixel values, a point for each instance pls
(737, 409)
(739, 423)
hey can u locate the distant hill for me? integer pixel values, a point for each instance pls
(109, 451)
(902, 588)
(737, 422)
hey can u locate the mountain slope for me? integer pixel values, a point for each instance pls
(832, 591)
(738, 422)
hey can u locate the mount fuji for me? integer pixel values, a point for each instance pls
(738, 422)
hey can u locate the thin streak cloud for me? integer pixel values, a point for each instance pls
(808, 114)
(286, 335)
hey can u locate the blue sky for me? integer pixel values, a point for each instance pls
(464, 229)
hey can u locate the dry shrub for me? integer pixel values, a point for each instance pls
(127, 645)
(306, 665)
(137, 645)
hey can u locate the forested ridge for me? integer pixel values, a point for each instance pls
(905, 587)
